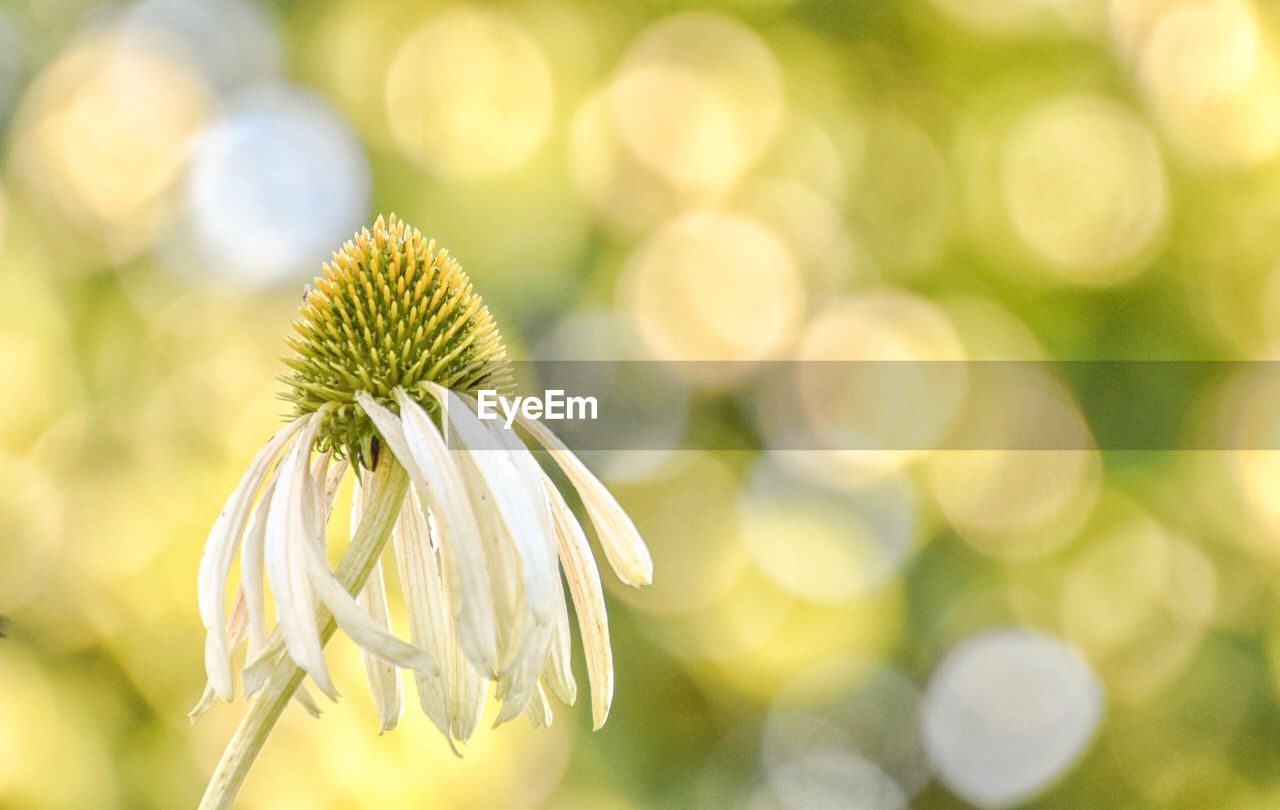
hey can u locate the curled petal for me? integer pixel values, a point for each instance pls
(290, 533)
(355, 622)
(429, 625)
(623, 547)
(303, 698)
(384, 678)
(205, 703)
(558, 674)
(504, 476)
(443, 490)
(220, 548)
(539, 710)
(588, 602)
(251, 562)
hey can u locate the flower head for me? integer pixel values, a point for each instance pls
(392, 310)
(391, 345)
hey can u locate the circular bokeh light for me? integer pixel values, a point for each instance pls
(101, 137)
(698, 97)
(469, 95)
(1007, 713)
(712, 286)
(1085, 189)
(272, 187)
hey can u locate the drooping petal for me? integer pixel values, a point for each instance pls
(468, 700)
(518, 684)
(207, 699)
(353, 620)
(220, 549)
(235, 634)
(622, 544)
(384, 678)
(251, 584)
(503, 476)
(588, 602)
(461, 547)
(319, 475)
(502, 561)
(539, 710)
(511, 614)
(258, 666)
(467, 685)
(303, 698)
(558, 674)
(428, 623)
(506, 477)
(290, 533)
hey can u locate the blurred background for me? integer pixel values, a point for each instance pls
(750, 181)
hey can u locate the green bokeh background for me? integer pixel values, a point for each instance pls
(754, 180)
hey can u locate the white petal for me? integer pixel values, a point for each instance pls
(258, 665)
(205, 703)
(461, 547)
(258, 668)
(290, 532)
(468, 690)
(511, 616)
(325, 480)
(503, 481)
(558, 673)
(319, 475)
(384, 678)
(332, 481)
(621, 541)
(518, 685)
(235, 634)
(588, 602)
(504, 475)
(512, 493)
(251, 585)
(262, 655)
(354, 621)
(428, 623)
(503, 564)
(539, 710)
(239, 618)
(304, 699)
(468, 686)
(220, 548)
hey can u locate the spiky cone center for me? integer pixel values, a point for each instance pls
(392, 309)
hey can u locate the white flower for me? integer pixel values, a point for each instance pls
(482, 538)
(481, 534)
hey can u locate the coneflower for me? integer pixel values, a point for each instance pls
(391, 347)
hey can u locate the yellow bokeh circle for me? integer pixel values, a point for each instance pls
(469, 95)
(712, 286)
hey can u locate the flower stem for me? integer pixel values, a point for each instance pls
(384, 492)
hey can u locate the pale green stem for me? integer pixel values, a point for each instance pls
(385, 491)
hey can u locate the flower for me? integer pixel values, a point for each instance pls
(391, 346)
